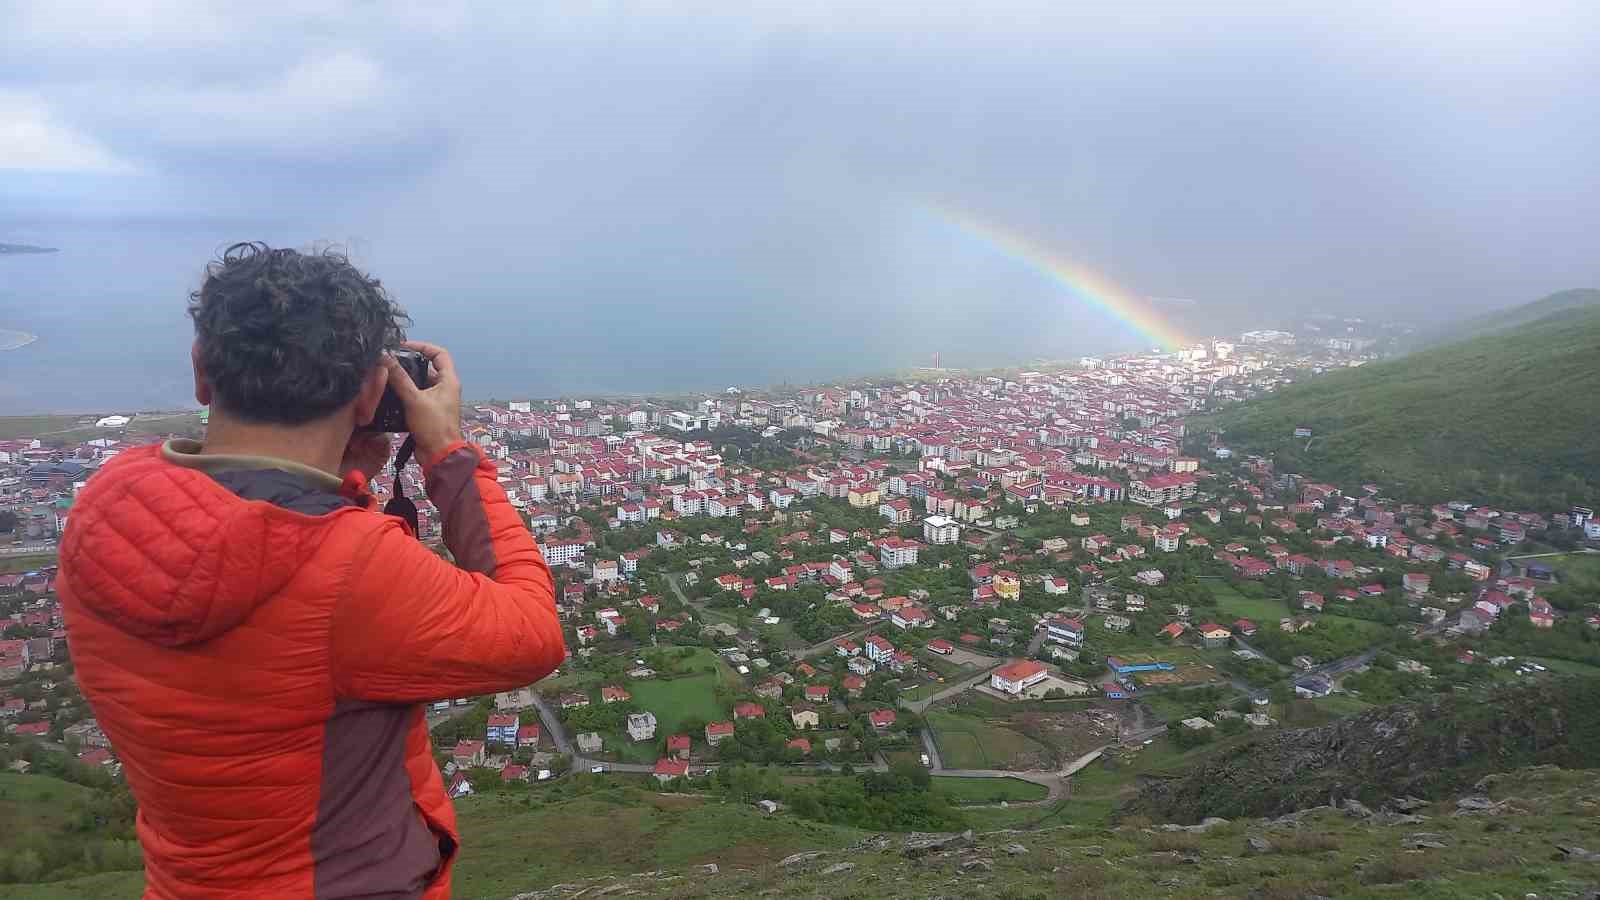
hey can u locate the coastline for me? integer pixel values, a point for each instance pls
(15, 340)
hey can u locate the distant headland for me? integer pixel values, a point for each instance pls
(25, 248)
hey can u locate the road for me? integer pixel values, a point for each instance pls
(920, 706)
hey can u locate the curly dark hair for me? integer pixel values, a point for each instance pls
(287, 337)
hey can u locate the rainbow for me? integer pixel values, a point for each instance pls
(1088, 286)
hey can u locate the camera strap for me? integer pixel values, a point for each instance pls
(401, 505)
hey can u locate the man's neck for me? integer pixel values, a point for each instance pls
(319, 444)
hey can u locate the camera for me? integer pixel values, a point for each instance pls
(391, 415)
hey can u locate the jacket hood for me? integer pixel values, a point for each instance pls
(168, 554)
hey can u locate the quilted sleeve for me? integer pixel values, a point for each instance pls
(412, 627)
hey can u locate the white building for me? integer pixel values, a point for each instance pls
(558, 553)
(642, 726)
(1018, 676)
(941, 530)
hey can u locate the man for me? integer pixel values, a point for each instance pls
(257, 640)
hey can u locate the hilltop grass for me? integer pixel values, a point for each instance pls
(989, 790)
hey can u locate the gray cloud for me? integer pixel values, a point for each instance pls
(616, 180)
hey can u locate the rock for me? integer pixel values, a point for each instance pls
(1015, 849)
(837, 868)
(977, 865)
(611, 889)
(875, 842)
(1205, 825)
(1258, 844)
(1357, 809)
(709, 869)
(1415, 844)
(799, 859)
(921, 844)
(1189, 859)
(1406, 804)
(1093, 850)
(1576, 854)
(1470, 805)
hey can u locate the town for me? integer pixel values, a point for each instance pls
(995, 579)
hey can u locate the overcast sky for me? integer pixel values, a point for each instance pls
(753, 185)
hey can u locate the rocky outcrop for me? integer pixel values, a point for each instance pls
(1389, 757)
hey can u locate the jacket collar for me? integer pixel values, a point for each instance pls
(186, 452)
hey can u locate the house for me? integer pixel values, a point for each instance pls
(803, 715)
(1150, 577)
(678, 746)
(459, 786)
(895, 553)
(860, 665)
(854, 684)
(1060, 629)
(642, 726)
(1244, 627)
(1056, 586)
(1214, 636)
(1313, 686)
(940, 646)
(1018, 676)
(590, 742)
(1416, 582)
(502, 728)
(514, 772)
(1173, 630)
(1312, 601)
(528, 737)
(911, 617)
(748, 710)
(881, 718)
(468, 754)
(801, 744)
(612, 694)
(668, 768)
(717, 732)
(817, 693)
(1117, 623)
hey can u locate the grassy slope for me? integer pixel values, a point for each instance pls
(1505, 319)
(1508, 417)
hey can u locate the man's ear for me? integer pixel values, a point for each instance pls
(371, 394)
(202, 384)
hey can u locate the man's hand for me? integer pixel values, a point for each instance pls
(367, 452)
(434, 412)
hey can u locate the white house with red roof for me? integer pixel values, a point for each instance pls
(1018, 676)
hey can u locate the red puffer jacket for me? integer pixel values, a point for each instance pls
(256, 642)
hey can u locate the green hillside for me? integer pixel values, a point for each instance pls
(1506, 319)
(1508, 417)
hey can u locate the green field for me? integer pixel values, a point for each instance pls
(968, 742)
(81, 428)
(989, 790)
(26, 563)
(105, 886)
(1234, 605)
(1577, 569)
(681, 698)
